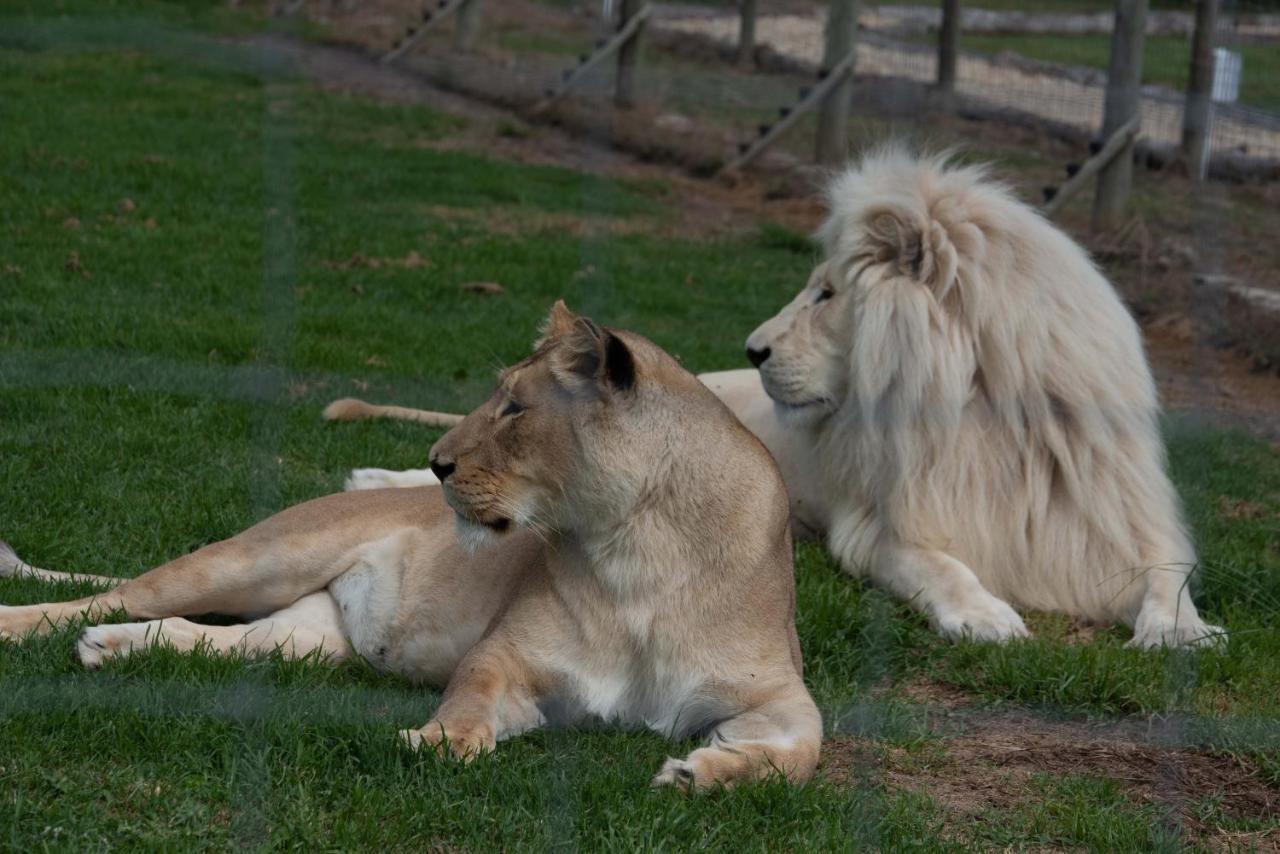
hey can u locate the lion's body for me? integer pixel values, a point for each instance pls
(602, 597)
(980, 408)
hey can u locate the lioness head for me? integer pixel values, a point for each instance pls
(877, 313)
(559, 419)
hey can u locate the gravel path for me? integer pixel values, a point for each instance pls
(1071, 97)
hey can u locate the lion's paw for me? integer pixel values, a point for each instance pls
(1170, 631)
(464, 744)
(988, 619)
(387, 479)
(368, 479)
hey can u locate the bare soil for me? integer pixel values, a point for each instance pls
(990, 760)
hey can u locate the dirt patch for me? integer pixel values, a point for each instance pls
(992, 760)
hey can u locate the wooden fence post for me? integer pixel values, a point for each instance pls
(467, 25)
(746, 33)
(1122, 140)
(1197, 111)
(832, 143)
(948, 46)
(624, 94)
(1124, 84)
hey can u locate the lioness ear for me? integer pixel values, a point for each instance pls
(559, 322)
(589, 356)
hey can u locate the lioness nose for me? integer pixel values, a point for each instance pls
(758, 357)
(442, 468)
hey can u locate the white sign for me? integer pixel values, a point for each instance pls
(1226, 75)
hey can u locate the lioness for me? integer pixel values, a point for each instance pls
(609, 541)
(961, 407)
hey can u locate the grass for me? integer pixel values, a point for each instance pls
(186, 278)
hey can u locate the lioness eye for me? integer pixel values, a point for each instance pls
(512, 408)
(824, 294)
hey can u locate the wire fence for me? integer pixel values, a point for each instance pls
(1058, 94)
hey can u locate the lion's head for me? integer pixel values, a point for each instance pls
(887, 308)
(573, 419)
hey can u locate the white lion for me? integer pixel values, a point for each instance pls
(961, 406)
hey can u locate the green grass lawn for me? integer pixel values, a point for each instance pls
(199, 250)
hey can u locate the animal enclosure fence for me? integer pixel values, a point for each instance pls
(1053, 94)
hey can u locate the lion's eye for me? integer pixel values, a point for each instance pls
(824, 294)
(512, 408)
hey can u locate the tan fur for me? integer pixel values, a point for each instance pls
(574, 577)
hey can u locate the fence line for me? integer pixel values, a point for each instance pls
(1041, 91)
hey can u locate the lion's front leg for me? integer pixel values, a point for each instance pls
(492, 696)
(780, 736)
(949, 593)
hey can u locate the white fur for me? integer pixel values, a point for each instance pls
(977, 415)
(472, 536)
(386, 479)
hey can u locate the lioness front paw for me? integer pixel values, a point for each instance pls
(464, 743)
(987, 619)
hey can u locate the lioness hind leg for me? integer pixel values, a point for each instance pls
(783, 736)
(12, 566)
(270, 566)
(311, 624)
(187, 585)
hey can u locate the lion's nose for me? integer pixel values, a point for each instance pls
(442, 467)
(758, 357)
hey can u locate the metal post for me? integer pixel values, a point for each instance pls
(624, 96)
(747, 33)
(1197, 113)
(833, 120)
(1124, 82)
(467, 25)
(948, 46)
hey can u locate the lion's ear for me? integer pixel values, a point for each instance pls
(919, 247)
(897, 237)
(590, 357)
